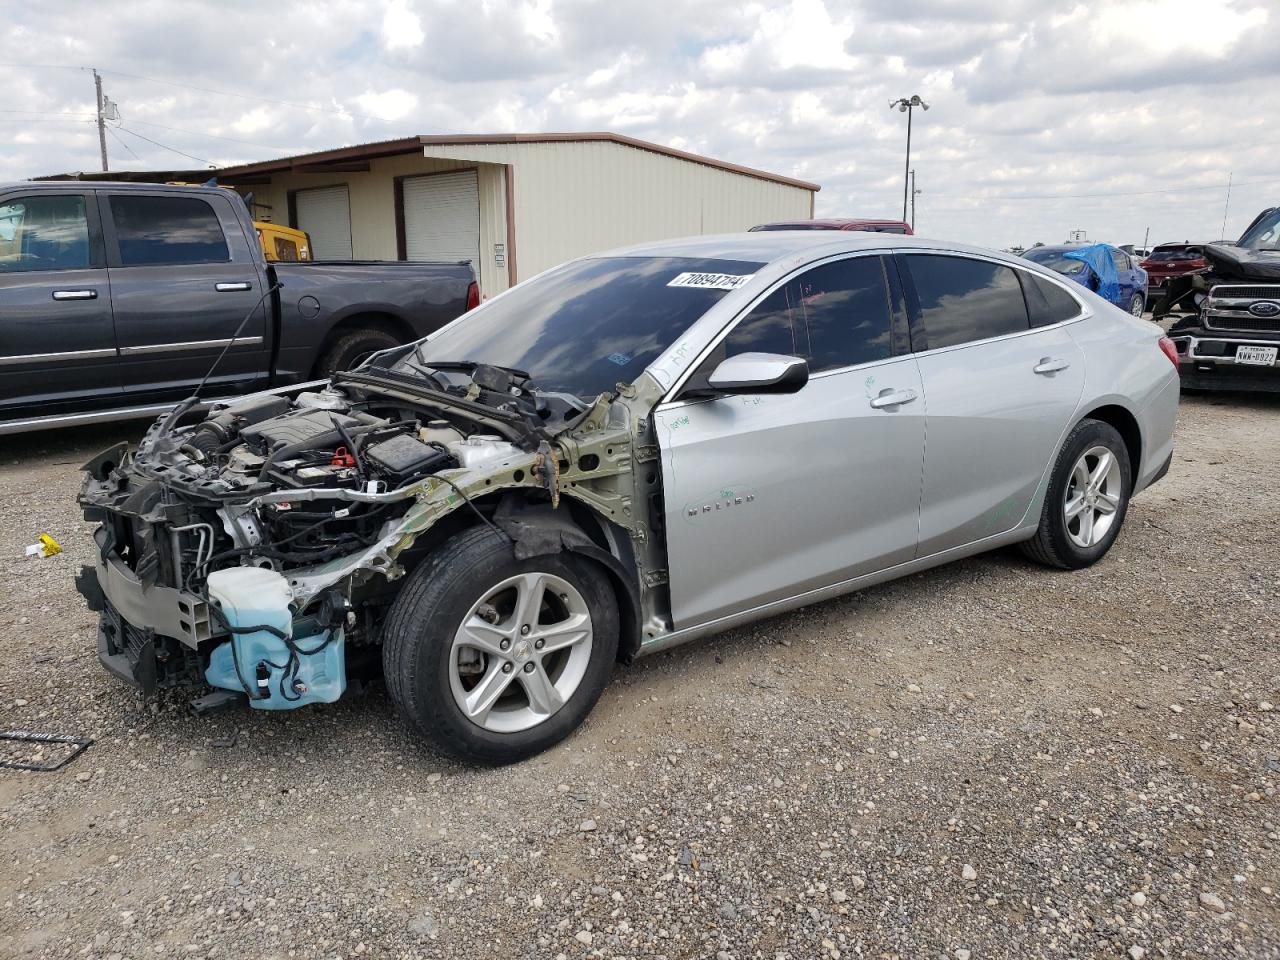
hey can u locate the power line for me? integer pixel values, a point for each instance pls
(163, 146)
(120, 140)
(1098, 196)
(246, 96)
(211, 136)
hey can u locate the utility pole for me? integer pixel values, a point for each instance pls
(1227, 206)
(102, 123)
(914, 193)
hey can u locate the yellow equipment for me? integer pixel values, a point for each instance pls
(277, 242)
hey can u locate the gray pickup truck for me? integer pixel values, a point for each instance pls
(116, 298)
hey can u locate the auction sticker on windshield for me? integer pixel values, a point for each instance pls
(711, 281)
(1259, 356)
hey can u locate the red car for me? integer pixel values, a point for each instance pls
(1170, 260)
(871, 226)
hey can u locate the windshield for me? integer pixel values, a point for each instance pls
(1055, 261)
(1265, 234)
(592, 324)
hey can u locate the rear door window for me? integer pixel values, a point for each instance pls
(835, 315)
(962, 300)
(167, 230)
(1047, 303)
(44, 233)
(1120, 259)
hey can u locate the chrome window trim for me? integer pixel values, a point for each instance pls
(733, 322)
(1084, 314)
(188, 345)
(62, 357)
(668, 403)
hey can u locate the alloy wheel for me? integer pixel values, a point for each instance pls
(1092, 496)
(521, 652)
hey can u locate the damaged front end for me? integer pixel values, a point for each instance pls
(257, 549)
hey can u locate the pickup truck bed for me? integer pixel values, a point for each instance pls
(116, 298)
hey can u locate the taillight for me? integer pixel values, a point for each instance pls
(1169, 350)
(473, 296)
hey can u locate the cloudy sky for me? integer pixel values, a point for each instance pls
(1110, 116)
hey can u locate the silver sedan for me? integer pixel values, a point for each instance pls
(807, 414)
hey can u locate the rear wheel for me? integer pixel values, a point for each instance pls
(496, 659)
(1137, 305)
(353, 347)
(1087, 499)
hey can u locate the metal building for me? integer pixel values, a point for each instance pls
(514, 204)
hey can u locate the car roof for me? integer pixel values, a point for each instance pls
(79, 186)
(766, 246)
(836, 223)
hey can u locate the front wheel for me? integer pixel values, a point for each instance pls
(1137, 305)
(496, 659)
(1087, 499)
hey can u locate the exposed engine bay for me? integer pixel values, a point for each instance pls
(261, 542)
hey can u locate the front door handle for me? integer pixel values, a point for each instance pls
(892, 398)
(75, 294)
(239, 287)
(1050, 365)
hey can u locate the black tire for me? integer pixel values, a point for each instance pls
(351, 347)
(1052, 545)
(419, 633)
(1137, 306)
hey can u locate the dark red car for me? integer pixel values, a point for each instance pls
(871, 226)
(1172, 260)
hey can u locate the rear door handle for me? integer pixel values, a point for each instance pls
(239, 287)
(75, 294)
(892, 398)
(1050, 365)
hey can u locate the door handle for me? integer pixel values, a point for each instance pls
(75, 294)
(239, 287)
(1050, 365)
(892, 398)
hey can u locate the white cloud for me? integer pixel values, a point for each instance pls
(401, 27)
(389, 104)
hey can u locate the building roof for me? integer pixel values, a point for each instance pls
(388, 148)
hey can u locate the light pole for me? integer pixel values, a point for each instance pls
(906, 105)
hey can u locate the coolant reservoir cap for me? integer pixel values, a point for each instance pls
(250, 587)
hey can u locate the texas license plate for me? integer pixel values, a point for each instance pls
(1257, 356)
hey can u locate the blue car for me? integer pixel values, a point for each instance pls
(1106, 270)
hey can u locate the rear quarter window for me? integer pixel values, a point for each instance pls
(1047, 303)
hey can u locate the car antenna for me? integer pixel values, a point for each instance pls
(192, 400)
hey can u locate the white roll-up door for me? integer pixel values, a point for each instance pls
(325, 214)
(442, 217)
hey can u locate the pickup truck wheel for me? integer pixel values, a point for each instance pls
(352, 347)
(1087, 499)
(496, 659)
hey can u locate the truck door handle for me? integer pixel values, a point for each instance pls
(239, 287)
(892, 398)
(75, 294)
(1050, 365)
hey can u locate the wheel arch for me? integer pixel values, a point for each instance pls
(538, 529)
(1125, 424)
(366, 319)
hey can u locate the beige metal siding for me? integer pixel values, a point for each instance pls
(578, 197)
(373, 206)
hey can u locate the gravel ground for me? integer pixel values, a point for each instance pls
(986, 760)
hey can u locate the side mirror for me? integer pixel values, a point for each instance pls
(759, 373)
